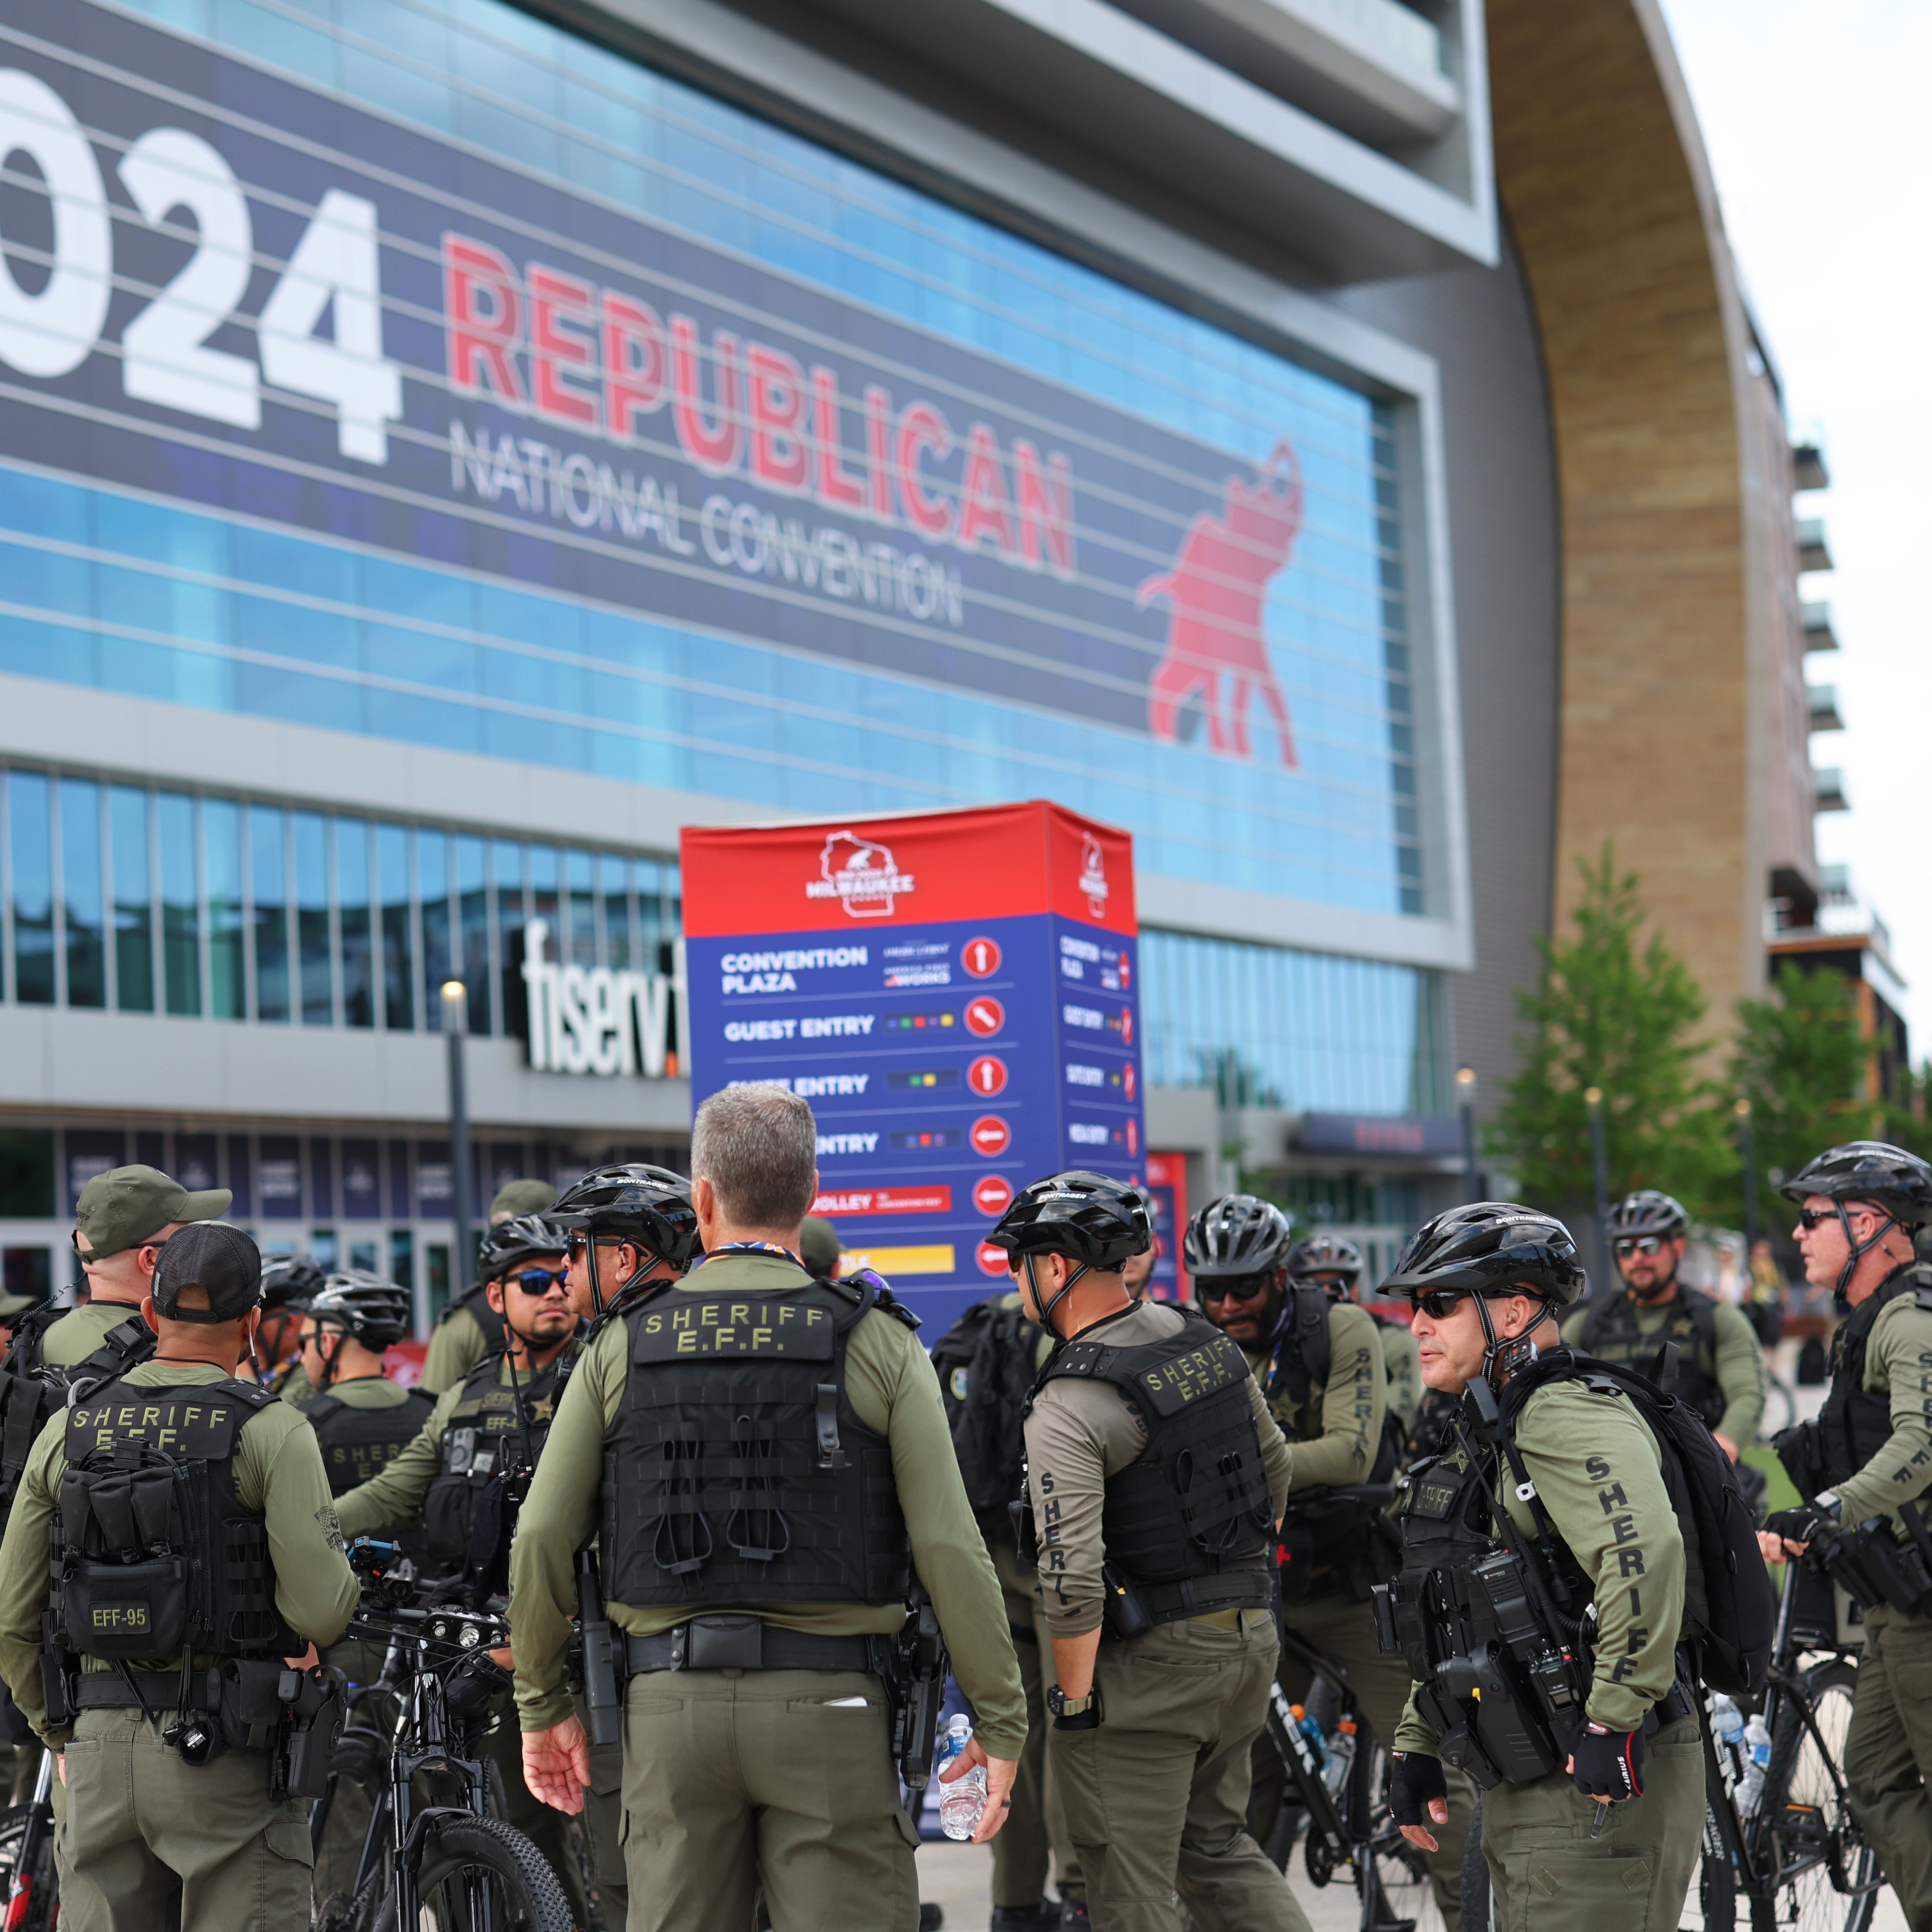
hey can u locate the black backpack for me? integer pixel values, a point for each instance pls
(1729, 1610)
(985, 1363)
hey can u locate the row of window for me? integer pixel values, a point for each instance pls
(153, 901)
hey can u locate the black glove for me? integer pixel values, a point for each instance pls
(1802, 1524)
(1414, 1780)
(1608, 1762)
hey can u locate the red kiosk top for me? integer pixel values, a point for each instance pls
(845, 874)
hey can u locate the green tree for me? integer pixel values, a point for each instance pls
(1801, 1062)
(1613, 1011)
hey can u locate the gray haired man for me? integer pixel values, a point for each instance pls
(753, 1593)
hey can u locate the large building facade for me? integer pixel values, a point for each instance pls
(446, 447)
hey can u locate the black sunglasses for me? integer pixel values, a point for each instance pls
(539, 1281)
(1237, 1288)
(1638, 1244)
(1438, 1302)
(1808, 1218)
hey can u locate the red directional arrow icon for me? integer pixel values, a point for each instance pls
(987, 1075)
(993, 1195)
(980, 957)
(991, 1260)
(985, 1016)
(990, 1136)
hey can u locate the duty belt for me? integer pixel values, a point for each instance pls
(1676, 1702)
(109, 1690)
(749, 1643)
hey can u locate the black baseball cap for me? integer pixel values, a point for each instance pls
(219, 1260)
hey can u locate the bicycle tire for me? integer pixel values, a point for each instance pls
(526, 1896)
(358, 1775)
(1402, 1873)
(1828, 1875)
(1780, 1408)
(42, 1901)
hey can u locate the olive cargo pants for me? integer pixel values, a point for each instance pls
(604, 1820)
(782, 1781)
(1344, 1632)
(1547, 1873)
(1156, 1796)
(1888, 1754)
(1036, 1826)
(152, 1844)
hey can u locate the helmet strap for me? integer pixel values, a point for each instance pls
(1858, 1249)
(329, 1361)
(1508, 1355)
(1046, 1306)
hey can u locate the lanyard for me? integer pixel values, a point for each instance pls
(754, 1248)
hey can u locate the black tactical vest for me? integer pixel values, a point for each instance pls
(1855, 1424)
(487, 1432)
(1189, 1520)
(1477, 1639)
(359, 1443)
(1611, 1333)
(31, 1389)
(736, 1471)
(154, 1555)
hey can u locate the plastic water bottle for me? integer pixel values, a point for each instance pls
(1312, 1731)
(1750, 1788)
(1727, 1723)
(1341, 1756)
(962, 1803)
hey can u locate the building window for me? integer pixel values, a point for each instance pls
(221, 838)
(313, 950)
(267, 875)
(473, 942)
(433, 883)
(30, 843)
(357, 917)
(84, 919)
(392, 874)
(181, 902)
(134, 900)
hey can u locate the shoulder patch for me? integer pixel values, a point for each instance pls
(958, 1384)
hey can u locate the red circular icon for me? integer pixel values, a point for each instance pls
(1126, 970)
(1133, 1136)
(1129, 1080)
(990, 1136)
(987, 1075)
(1126, 1026)
(985, 1016)
(980, 957)
(993, 1195)
(991, 1260)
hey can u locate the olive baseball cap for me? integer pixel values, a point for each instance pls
(522, 1197)
(121, 1209)
(819, 1247)
(222, 1261)
(13, 1305)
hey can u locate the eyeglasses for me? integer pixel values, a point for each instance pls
(1238, 1288)
(539, 1281)
(1639, 1244)
(1809, 1218)
(1438, 1302)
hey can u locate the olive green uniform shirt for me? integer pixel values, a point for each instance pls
(1078, 1433)
(75, 1335)
(1599, 1473)
(455, 1348)
(277, 1471)
(1339, 1445)
(1738, 1370)
(892, 1390)
(393, 1500)
(1898, 1364)
(1401, 1371)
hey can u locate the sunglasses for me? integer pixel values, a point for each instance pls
(1638, 1244)
(1236, 1288)
(1809, 1218)
(88, 1254)
(540, 1281)
(1439, 1303)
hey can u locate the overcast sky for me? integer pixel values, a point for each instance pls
(1813, 113)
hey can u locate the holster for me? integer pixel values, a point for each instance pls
(1801, 1450)
(316, 1712)
(1123, 1613)
(254, 1700)
(1876, 1568)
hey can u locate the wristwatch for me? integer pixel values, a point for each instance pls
(1073, 1714)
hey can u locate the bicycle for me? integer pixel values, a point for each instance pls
(1347, 1825)
(27, 1857)
(1780, 1408)
(446, 1863)
(1797, 1857)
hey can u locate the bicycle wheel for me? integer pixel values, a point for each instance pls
(1406, 1894)
(1828, 1876)
(1780, 1408)
(338, 1825)
(475, 1872)
(43, 1898)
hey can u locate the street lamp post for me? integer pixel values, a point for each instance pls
(1747, 1154)
(1465, 1107)
(1600, 1179)
(455, 1026)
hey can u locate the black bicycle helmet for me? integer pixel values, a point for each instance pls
(377, 1313)
(1648, 1211)
(1084, 1216)
(1237, 1234)
(527, 1237)
(1492, 1248)
(1324, 1254)
(631, 1201)
(288, 1278)
(1873, 1171)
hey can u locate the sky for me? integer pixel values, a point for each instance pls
(1813, 115)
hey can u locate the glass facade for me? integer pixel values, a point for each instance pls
(120, 591)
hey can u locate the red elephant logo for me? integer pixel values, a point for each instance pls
(1216, 589)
